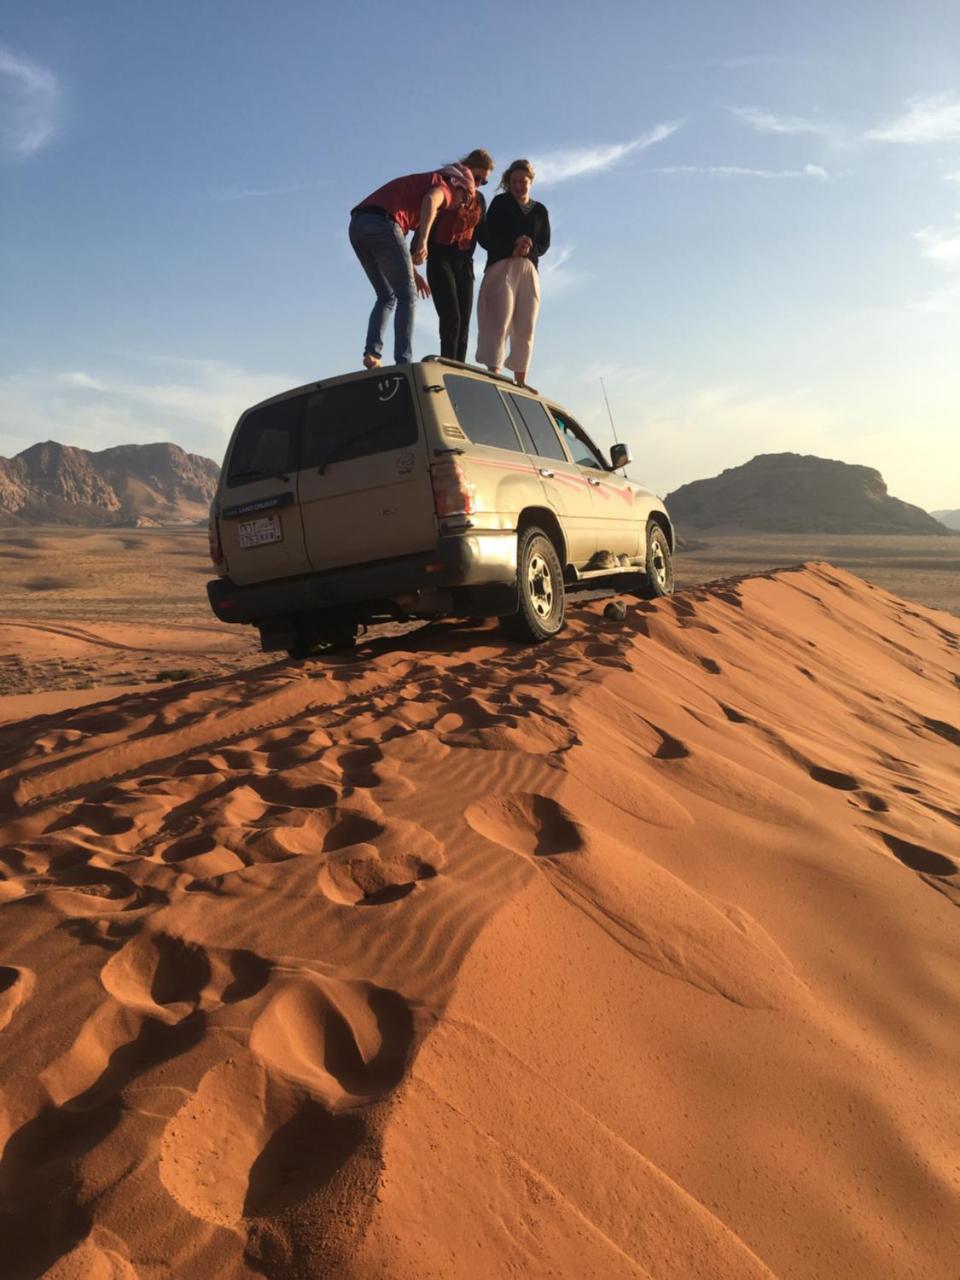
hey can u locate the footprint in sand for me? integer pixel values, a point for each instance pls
(529, 824)
(917, 857)
(373, 874)
(16, 984)
(346, 1041)
(834, 778)
(246, 1145)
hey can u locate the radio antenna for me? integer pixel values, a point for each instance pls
(613, 429)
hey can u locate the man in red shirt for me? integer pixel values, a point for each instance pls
(378, 229)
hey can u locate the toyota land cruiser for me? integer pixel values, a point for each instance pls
(421, 491)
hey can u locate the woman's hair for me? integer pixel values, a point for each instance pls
(478, 159)
(518, 166)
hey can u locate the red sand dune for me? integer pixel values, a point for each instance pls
(632, 955)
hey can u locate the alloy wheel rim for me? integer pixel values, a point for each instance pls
(659, 563)
(540, 583)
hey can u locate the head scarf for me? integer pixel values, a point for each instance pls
(459, 177)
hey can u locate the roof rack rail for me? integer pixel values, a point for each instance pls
(474, 368)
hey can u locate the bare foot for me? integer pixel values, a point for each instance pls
(521, 381)
(371, 362)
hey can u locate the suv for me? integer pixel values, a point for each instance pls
(422, 490)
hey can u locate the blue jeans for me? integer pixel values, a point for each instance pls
(380, 245)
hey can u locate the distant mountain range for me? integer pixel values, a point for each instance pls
(161, 484)
(797, 493)
(130, 484)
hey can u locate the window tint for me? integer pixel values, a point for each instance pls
(583, 454)
(540, 427)
(356, 419)
(267, 441)
(481, 412)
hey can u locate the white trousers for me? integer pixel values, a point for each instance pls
(507, 308)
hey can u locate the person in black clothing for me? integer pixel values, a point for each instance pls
(516, 235)
(453, 239)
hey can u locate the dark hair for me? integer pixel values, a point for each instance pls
(478, 159)
(518, 166)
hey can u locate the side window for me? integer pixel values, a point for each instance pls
(356, 419)
(581, 450)
(267, 442)
(481, 412)
(540, 428)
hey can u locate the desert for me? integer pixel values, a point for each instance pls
(630, 955)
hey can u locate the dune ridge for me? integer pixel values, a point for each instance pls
(632, 955)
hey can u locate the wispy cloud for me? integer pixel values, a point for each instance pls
(29, 104)
(560, 166)
(740, 171)
(556, 272)
(195, 405)
(931, 119)
(941, 245)
(770, 122)
(952, 177)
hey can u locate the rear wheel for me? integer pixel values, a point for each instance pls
(334, 635)
(541, 599)
(658, 571)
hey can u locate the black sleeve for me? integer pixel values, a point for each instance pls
(480, 235)
(541, 241)
(499, 231)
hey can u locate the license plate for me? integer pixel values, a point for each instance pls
(254, 533)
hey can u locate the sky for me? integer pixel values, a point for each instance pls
(755, 208)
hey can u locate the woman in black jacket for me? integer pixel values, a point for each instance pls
(516, 235)
(454, 238)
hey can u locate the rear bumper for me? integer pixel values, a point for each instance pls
(467, 560)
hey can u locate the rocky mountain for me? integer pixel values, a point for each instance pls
(130, 484)
(950, 518)
(797, 493)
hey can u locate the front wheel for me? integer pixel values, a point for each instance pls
(658, 570)
(541, 598)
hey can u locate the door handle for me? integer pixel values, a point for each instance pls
(593, 481)
(544, 471)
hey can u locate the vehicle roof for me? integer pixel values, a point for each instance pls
(358, 374)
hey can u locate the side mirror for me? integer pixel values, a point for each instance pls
(619, 456)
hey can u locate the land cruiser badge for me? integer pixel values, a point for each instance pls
(405, 462)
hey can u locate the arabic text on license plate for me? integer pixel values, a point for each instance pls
(254, 533)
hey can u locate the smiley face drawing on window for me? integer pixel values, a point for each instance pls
(387, 388)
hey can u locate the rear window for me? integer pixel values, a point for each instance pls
(356, 419)
(481, 412)
(266, 442)
(540, 427)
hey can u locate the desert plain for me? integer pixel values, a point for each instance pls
(634, 954)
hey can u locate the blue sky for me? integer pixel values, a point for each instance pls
(755, 204)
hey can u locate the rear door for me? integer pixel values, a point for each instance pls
(364, 485)
(260, 528)
(564, 484)
(618, 528)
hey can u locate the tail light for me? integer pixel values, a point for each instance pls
(453, 495)
(213, 539)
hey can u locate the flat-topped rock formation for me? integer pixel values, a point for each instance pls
(796, 493)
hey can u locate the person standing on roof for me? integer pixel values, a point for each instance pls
(378, 229)
(455, 235)
(516, 236)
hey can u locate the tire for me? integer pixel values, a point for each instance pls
(658, 571)
(541, 597)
